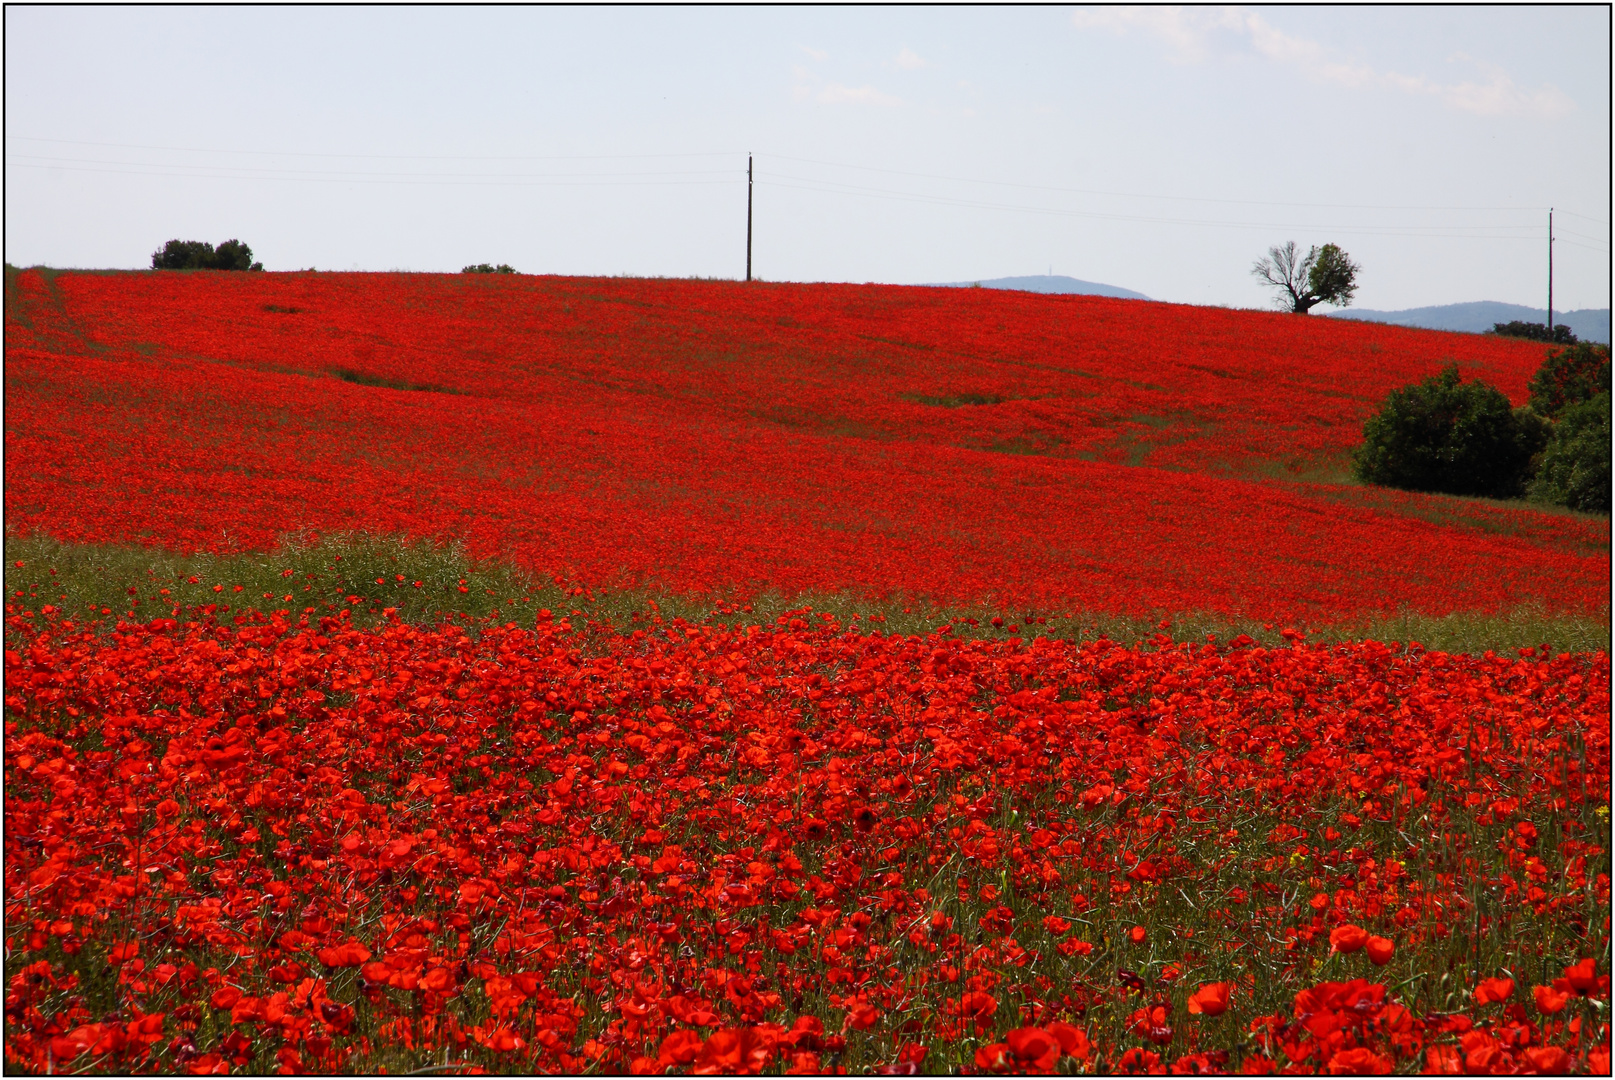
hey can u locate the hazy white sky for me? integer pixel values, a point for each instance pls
(1157, 149)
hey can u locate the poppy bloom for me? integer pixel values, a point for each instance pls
(503, 1040)
(1493, 990)
(1348, 938)
(1359, 1061)
(1380, 950)
(679, 1048)
(1581, 976)
(1034, 1049)
(1549, 1060)
(1073, 1041)
(977, 1006)
(1211, 999)
(1137, 935)
(731, 1051)
(1549, 1000)
(439, 980)
(348, 954)
(995, 1057)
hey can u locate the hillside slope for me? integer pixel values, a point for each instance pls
(1049, 283)
(1588, 324)
(1063, 452)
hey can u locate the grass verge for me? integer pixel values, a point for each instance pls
(425, 582)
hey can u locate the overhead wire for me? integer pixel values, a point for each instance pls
(343, 174)
(1138, 195)
(486, 181)
(1438, 231)
(718, 176)
(416, 157)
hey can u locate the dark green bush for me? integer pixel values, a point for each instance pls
(488, 268)
(199, 255)
(1452, 437)
(1535, 331)
(1568, 376)
(1575, 466)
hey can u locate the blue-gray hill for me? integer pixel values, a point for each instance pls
(1046, 283)
(1588, 324)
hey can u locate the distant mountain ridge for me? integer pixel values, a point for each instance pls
(1588, 324)
(1045, 283)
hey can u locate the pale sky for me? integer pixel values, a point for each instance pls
(1157, 149)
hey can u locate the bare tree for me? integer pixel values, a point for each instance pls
(1323, 275)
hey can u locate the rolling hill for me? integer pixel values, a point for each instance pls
(1588, 324)
(948, 445)
(1048, 283)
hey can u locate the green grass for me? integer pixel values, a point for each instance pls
(954, 401)
(104, 583)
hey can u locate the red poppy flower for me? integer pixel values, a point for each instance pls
(1582, 976)
(1211, 999)
(1549, 1000)
(1359, 1061)
(1548, 1060)
(1073, 1041)
(679, 1048)
(1348, 938)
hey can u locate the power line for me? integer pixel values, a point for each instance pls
(1136, 195)
(784, 157)
(1437, 231)
(685, 177)
(485, 182)
(1585, 217)
(412, 157)
(1584, 236)
(66, 162)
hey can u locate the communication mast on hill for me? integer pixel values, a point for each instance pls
(748, 223)
(1550, 273)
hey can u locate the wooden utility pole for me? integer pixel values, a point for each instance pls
(748, 217)
(1550, 273)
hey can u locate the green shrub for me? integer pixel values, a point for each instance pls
(1575, 466)
(1568, 376)
(488, 268)
(1532, 331)
(200, 255)
(1458, 438)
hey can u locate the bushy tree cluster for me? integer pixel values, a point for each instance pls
(1450, 436)
(1532, 331)
(488, 268)
(1461, 438)
(200, 255)
(1568, 376)
(1575, 466)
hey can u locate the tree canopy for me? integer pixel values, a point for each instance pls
(1531, 331)
(1575, 466)
(1324, 275)
(1450, 436)
(200, 255)
(1569, 376)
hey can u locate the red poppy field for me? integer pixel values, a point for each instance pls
(318, 837)
(941, 445)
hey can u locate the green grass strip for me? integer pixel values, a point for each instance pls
(425, 582)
